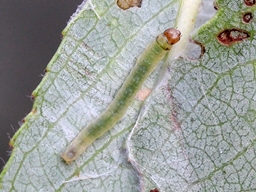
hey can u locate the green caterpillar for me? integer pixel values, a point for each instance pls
(145, 64)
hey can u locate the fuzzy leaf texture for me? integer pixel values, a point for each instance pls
(197, 129)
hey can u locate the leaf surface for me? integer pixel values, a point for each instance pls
(196, 132)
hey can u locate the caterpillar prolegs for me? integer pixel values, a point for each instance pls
(145, 64)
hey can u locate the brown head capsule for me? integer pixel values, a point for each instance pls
(168, 38)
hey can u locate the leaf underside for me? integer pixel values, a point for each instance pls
(198, 131)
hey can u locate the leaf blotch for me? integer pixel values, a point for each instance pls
(247, 17)
(32, 97)
(231, 36)
(126, 4)
(195, 50)
(216, 7)
(155, 190)
(249, 2)
(23, 120)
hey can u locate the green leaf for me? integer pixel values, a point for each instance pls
(196, 131)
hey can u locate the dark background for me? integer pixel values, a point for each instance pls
(30, 33)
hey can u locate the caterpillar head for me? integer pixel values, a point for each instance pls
(168, 38)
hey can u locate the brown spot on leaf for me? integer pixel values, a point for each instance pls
(198, 49)
(231, 36)
(249, 2)
(216, 7)
(126, 4)
(23, 120)
(154, 190)
(202, 48)
(32, 97)
(247, 17)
